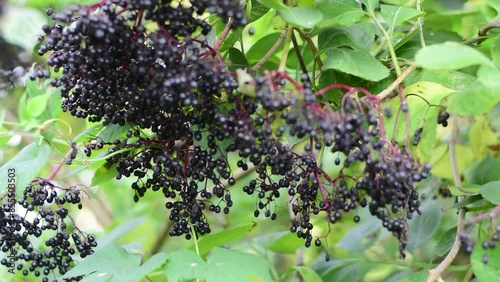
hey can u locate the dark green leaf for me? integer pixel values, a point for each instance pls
(261, 47)
(357, 63)
(467, 201)
(423, 226)
(237, 59)
(491, 192)
(112, 131)
(305, 17)
(257, 11)
(233, 37)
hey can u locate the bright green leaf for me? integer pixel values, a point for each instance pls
(36, 105)
(494, 4)
(441, 162)
(489, 271)
(210, 241)
(286, 243)
(304, 17)
(357, 63)
(396, 15)
(27, 165)
(465, 190)
(450, 56)
(423, 226)
(273, 4)
(339, 12)
(119, 231)
(491, 192)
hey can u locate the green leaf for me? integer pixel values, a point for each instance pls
(495, 50)
(446, 240)
(361, 237)
(467, 201)
(440, 160)
(490, 77)
(21, 26)
(475, 99)
(343, 270)
(419, 276)
(450, 56)
(486, 171)
(465, 190)
(286, 243)
(36, 105)
(27, 165)
(491, 192)
(308, 274)
(421, 115)
(357, 63)
(257, 11)
(494, 4)
(396, 15)
(489, 271)
(359, 36)
(229, 265)
(481, 136)
(114, 263)
(212, 240)
(423, 226)
(222, 265)
(104, 174)
(370, 4)
(119, 231)
(261, 47)
(233, 37)
(273, 4)
(184, 265)
(237, 59)
(305, 17)
(112, 131)
(339, 12)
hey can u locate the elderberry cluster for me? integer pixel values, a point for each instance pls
(17, 231)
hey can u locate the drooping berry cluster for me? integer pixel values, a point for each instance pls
(46, 202)
(177, 96)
